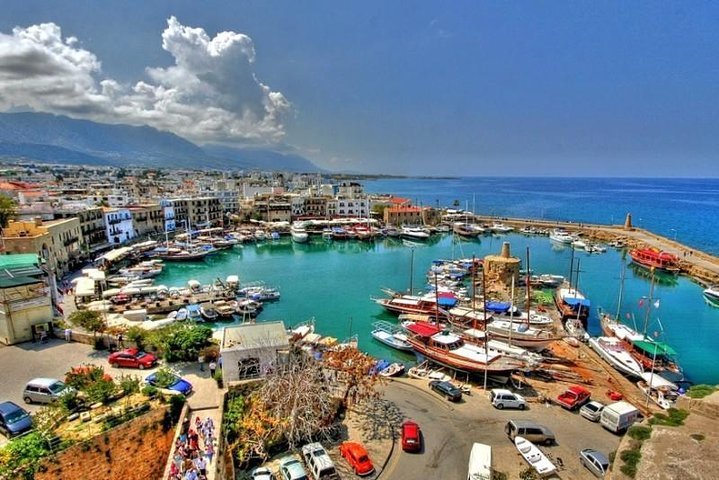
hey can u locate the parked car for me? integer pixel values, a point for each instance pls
(592, 411)
(357, 457)
(318, 462)
(178, 385)
(532, 431)
(595, 461)
(132, 358)
(14, 420)
(452, 393)
(44, 390)
(262, 473)
(501, 398)
(411, 437)
(291, 469)
(618, 417)
(574, 397)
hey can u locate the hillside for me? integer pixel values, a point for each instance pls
(50, 138)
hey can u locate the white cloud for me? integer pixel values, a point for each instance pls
(210, 94)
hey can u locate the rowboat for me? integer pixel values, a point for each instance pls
(390, 335)
(534, 456)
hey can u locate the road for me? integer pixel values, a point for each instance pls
(449, 430)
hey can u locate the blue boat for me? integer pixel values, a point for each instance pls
(497, 307)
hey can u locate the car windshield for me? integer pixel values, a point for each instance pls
(363, 459)
(16, 416)
(57, 387)
(591, 407)
(140, 355)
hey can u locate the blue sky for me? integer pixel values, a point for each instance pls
(425, 88)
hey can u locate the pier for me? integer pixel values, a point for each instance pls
(701, 266)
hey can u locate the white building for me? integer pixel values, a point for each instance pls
(118, 225)
(251, 350)
(169, 212)
(348, 207)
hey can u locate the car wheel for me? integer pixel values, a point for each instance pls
(500, 406)
(522, 406)
(114, 365)
(28, 400)
(141, 366)
(549, 442)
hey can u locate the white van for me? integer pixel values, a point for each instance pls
(480, 462)
(619, 416)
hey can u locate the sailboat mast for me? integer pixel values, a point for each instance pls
(436, 299)
(474, 294)
(511, 312)
(528, 282)
(649, 305)
(621, 292)
(486, 338)
(411, 269)
(571, 268)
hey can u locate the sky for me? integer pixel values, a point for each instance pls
(518, 88)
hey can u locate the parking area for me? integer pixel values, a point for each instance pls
(450, 429)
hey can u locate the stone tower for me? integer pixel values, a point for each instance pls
(500, 269)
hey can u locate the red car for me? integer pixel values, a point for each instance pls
(132, 358)
(411, 437)
(357, 457)
(574, 397)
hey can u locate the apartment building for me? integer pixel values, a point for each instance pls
(92, 225)
(59, 243)
(199, 212)
(348, 207)
(119, 227)
(148, 219)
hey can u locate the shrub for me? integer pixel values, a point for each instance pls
(22, 457)
(639, 432)
(149, 391)
(701, 391)
(631, 460)
(164, 377)
(181, 341)
(698, 436)
(528, 474)
(137, 335)
(102, 390)
(673, 418)
(129, 384)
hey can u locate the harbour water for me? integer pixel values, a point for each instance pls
(333, 282)
(682, 209)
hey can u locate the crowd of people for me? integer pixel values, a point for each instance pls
(194, 450)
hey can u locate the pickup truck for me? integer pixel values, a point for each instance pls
(574, 397)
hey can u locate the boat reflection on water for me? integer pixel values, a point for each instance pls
(660, 277)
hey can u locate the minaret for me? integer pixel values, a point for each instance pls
(628, 222)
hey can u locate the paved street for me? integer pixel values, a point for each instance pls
(449, 430)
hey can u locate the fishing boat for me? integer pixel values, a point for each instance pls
(561, 236)
(711, 295)
(614, 352)
(655, 258)
(181, 315)
(520, 334)
(193, 313)
(468, 230)
(571, 303)
(449, 349)
(391, 335)
(299, 234)
(425, 305)
(225, 309)
(247, 307)
(414, 233)
(534, 456)
(659, 390)
(392, 370)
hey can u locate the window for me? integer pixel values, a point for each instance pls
(248, 368)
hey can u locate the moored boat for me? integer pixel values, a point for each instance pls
(659, 390)
(390, 335)
(571, 303)
(299, 234)
(520, 334)
(414, 233)
(561, 236)
(711, 295)
(392, 370)
(208, 313)
(613, 352)
(655, 258)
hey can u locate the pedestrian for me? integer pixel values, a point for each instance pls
(209, 452)
(43, 336)
(201, 465)
(68, 335)
(201, 361)
(120, 341)
(213, 367)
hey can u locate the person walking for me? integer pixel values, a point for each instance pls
(213, 367)
(68, 335)
(120, 341)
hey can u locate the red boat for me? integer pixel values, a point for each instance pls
(655, 258)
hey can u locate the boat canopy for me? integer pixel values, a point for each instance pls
(423, 329)
(657, 381)
(650, 347)
(574, 302)
(498, 307)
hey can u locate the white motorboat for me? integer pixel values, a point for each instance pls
(392, 370)
(390, 335)
(660, 390)
(181, 314)
(299, 232)
(711, 295)
(415, 233)
(534, 456)
(501, 228)
(579, 244)
(561, 236)
(612, 350)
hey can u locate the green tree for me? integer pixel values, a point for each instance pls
(89, 320)
(8, 208)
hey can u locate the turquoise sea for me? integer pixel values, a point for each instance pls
(333, 282)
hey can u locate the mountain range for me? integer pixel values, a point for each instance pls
(47, 138)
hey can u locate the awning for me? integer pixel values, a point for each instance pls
(85, 287)
(654, 348)
(656, 381)
(423, 329)
(573, 302)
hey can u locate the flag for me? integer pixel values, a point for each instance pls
(641, 302)
(628, 316)
(656, 334)
(656, 304)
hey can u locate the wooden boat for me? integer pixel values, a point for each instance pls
(520, 334)
(183, 255)
(426, 305)
(450, 350)
(468, 230)
(655, 258)
(390, 335)
(613, 352)
(208, 313)
(534, 456)
(224, 308)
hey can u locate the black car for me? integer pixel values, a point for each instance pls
(452, 393)
(14, 419)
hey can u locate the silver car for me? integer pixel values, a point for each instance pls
(592, 411)
(595, 461)
(44, 390)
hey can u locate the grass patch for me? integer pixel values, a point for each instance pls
(631, 460)
(639, 432)
(698, 436)
(673, 418)
(701, 391)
